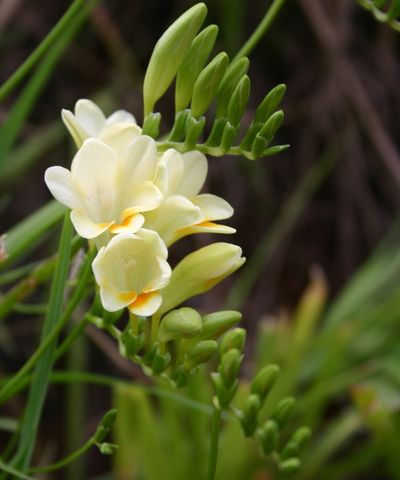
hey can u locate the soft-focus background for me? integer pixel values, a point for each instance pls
(317, 210)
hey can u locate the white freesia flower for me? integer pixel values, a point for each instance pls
(107, 191)
(199, 271)
(183, 211)
(89, 121)
(131, 270)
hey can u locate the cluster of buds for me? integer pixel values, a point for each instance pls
(268, 432)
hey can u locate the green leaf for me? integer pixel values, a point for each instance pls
(27, 234)
(41, 375)
(192, 66)
(207, 84)
(169, 53)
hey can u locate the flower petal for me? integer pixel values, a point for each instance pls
(121, 116)
(78, 133)
(203, 227)
(90, 116)
(85, 226)
(119, 135)
(130, 224)
(96, 171)
(139, 159)
(61, 185)
(194, 174)
(174, 213)
(213, 207)
(146, 304)
(143, 198)
(174, 169)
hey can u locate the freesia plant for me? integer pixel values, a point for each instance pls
(130, 193)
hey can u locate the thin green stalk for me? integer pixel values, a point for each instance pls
(260, 31)
(214, 440)
(40, 50)
(40, 379)
(52, 335)
(67, 460)
(15, 473)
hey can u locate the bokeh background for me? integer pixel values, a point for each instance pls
(318, 209)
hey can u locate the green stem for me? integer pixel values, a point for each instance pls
(261, 30)
(38, 53)
(67, 460)
(15, 473)
(214, 440)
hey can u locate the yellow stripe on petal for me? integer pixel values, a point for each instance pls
(127, 297)
(130, 224)
(146, 304)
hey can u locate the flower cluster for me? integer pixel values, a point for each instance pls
(132, 203)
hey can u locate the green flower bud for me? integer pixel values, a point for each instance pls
(232, 77)
(230, 365)
(290, 466)
(183, 323)
(105, 425)
(193, 64)
(214, 139)
(233, 339)
(264, 381)
(238, 101)
(271, 126)
(169, 53)
(283, 411)
(249, 414)
(207, 84)
(200, 353)
(107, 448)
(199, 271)
(224, 393)
(268, 436)
(296, 443)
(270, 103)
(151, 125)
(217, 323)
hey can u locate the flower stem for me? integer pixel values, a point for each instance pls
(213, 454)
(261, 30)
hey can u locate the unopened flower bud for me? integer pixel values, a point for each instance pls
(200, 353)
(217, 323)
(182, 323)
(264, 381)
(268, 436)
(283, 411)
(233, 339)
(230, 365)
(290, 466)
(295, 444)
(249, 415)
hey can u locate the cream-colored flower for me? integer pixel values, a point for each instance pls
(131, 270)
(183, 211)
(89, 121)
(199, 271)
(107, 191)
